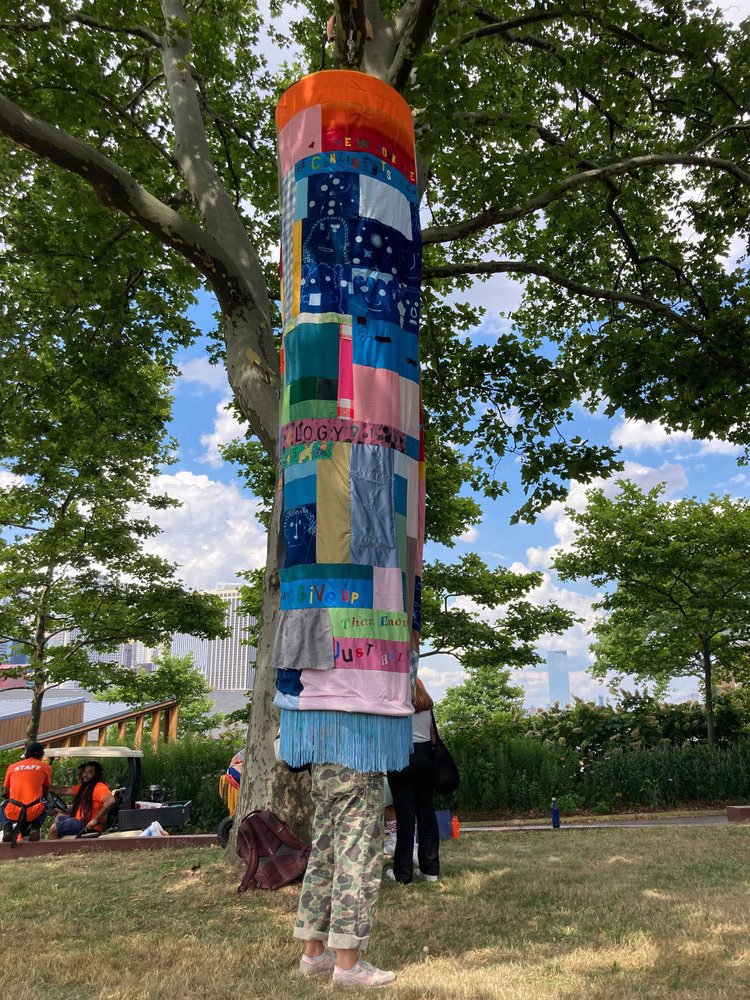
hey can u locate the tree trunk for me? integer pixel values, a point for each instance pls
(267, 783)
(708, 682)
(35, 713)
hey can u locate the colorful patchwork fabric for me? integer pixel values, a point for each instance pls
(352, 472)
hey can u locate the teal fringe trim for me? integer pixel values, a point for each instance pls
(369, 743)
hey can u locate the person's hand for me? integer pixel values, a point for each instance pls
(90, 827)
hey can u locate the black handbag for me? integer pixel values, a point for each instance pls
(446, 778)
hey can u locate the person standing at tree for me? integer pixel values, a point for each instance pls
(352, 488)
(412, 791)
(25, 784)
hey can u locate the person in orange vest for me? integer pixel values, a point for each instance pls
(92, 800)
(23, 808)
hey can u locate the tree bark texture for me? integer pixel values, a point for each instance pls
(266, 782)
(708, 681)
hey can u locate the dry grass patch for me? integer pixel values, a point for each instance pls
(589, 914)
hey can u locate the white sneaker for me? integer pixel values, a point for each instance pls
(362, 974)
(426, 878)
(325, 962)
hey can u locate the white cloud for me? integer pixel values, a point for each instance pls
(8, 479)
(735, 10)
(644, 476)
(637, 435)
(470, 535)
(716, 447)
(640, 434)
(198, 371)
(226, 428)
(212, 536)
(440, 672)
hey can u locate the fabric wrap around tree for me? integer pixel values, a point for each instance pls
(352, 474)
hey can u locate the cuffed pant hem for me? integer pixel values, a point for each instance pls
(347, 941)
(309, 934)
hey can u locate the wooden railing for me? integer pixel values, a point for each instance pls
(163, 716)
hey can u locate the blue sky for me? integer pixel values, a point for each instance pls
(214, 535)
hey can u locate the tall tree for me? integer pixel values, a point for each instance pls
(680, 575)
(603, 157)
(84, 402)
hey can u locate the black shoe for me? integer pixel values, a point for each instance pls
(35, 834)
(7, 833)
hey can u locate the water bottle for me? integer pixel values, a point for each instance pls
(555, 813)
(455, 828)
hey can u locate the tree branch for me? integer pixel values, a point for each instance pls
(543, 271)
(136, 30)
(412, 40)
(252, 361)
(493, 216)
(498, 27)
(113, 186)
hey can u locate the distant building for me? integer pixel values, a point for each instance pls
(558, 672)
(131, 654)
(227, 664)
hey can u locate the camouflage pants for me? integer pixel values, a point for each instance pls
(343, 874)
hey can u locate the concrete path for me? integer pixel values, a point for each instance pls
(710, 819)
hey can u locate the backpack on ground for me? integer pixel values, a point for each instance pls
(273, 855)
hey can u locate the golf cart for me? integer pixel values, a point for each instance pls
(127, 813)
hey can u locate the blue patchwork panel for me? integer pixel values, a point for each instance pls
(299, 533)
(299, 489)
(399, 494)
(417, 616)
(381, 296)
(383, 345)
(373, 530)
(325, 288)
(289, 681)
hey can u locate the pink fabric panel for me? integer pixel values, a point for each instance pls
(388, 655)
(300, 137)
(376, 692)
(376, 395)
(388, 591)
(346, 379)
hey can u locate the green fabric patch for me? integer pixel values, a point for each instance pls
(312, 409)
(356, 623)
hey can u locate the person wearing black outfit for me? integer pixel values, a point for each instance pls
(412, 791)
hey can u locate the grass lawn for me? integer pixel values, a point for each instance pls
(581, 914)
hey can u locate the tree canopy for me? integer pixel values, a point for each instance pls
(600, 157)
(680, 576)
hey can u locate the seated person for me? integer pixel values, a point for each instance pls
(92, 800)
(25, 783)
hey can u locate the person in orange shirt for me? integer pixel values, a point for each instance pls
(91, 802)
(25, 783)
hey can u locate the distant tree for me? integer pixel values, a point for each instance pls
(84, 405)
(680, 577)
(174, 677)
(486, 650)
